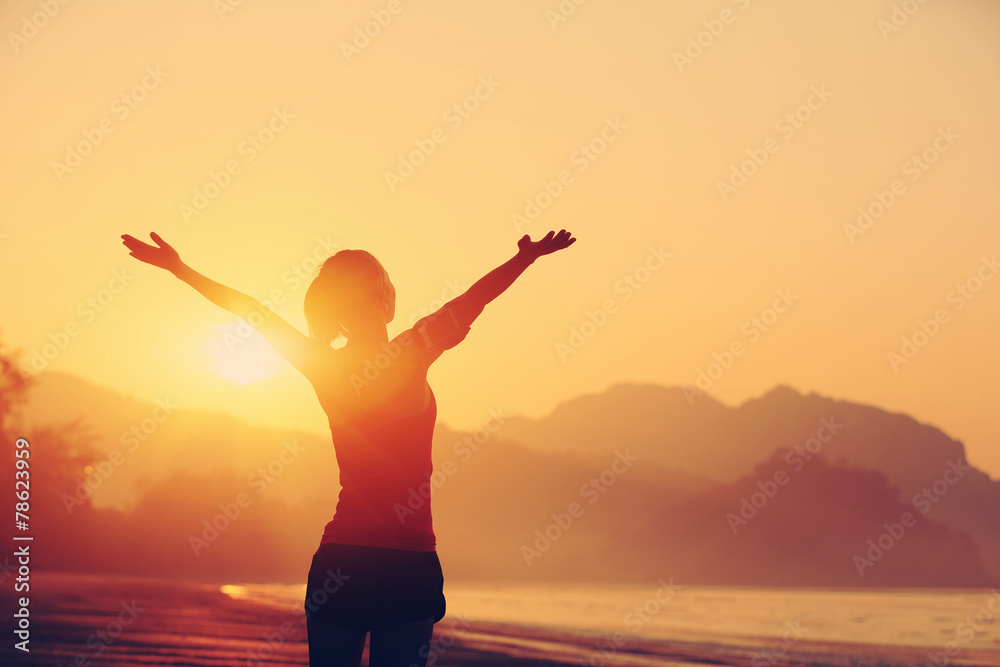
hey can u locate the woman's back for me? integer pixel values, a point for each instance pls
(381, 412)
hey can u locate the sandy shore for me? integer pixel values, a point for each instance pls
(90, 622)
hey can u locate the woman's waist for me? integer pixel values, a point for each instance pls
(400, 529)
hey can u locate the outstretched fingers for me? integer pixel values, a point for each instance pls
(133, 243)
(550, 243)
(159, 241)
(553, 242)
(161, 254)
(561, 240)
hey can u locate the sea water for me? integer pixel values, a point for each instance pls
(947, 623)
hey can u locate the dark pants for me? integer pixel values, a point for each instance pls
(352, 590)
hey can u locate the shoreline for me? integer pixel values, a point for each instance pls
(92, 620)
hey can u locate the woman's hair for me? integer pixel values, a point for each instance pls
(348, 284)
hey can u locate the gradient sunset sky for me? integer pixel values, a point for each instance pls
(621, 120)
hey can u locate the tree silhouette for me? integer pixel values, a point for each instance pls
(58, 456)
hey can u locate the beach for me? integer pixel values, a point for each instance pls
(89, 621)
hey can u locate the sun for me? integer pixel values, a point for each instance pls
(238, 353)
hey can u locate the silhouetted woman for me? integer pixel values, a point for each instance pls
(376, 569)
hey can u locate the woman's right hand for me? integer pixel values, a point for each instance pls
(549, 244)
(162, 254)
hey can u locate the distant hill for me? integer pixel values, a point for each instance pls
(653, 522)
(701, 436)
(662, 486)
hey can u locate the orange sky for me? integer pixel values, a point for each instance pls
(824, 108)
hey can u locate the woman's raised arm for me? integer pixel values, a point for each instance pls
(289, 342)
(470, 304)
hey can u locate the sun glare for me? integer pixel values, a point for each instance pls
(240, 354)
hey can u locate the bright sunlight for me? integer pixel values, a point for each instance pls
(240, 354)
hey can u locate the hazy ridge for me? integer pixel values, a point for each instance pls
(691, 489)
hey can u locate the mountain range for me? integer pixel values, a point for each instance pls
(633, 484)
